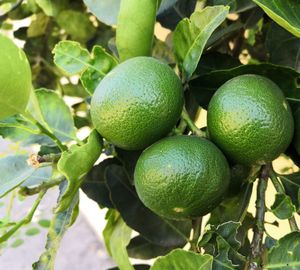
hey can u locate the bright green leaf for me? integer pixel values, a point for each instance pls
(283, 207)
(182, 260)
(117, 236)
(191, 35)
(45, 223)
(100, 64)
(284, 12)
(14, 171)
(75, 163)
(286, 253)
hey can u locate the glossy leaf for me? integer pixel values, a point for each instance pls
(14, 171)
(105, 10)
(277, 39)
(284, 13)
(191, 35)
(286, 253)
(75, 163)
(283, 207)
(204, 86)
(155, 229)
(117, 236)
(181, 260)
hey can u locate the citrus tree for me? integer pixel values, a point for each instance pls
(185, 191)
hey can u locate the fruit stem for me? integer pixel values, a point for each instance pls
(280, 189)
(197, 225)
(255, 260)
(191, 125)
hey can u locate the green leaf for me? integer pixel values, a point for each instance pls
(32, 231)
(40, 175)
(283, 207)
(286, 253)
(52, 7)
(38, 25)
(291, 185)
(54, 113)
(59, 225)
(278, 38)
(191, 35)
(155, 229)
(94, 185)
(117, 236)
(73, 59)
(17, 243)
(75, 163)
(283, 12)
(14, 171)
(140, 248)
(204, 86)
(101, 63)
(76, 24)
(105, 10)
(45, 223)
(235, 5)
(181, 260)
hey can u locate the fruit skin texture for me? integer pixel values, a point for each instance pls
(250, 120)
(297, 131)
(137, 103)
(182, 177)
(15, 78)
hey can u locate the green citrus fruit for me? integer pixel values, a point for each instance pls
(250, 120)
(15, 78)
(137, 103)
(297, 130)
(182, 177)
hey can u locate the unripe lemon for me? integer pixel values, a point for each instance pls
(182, 177)
(250, 120)
(137, 103)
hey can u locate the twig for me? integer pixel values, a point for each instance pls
(196, 224)
(280, 189)
(25, 220)
(195, 130)
(255, 260)
(25, 191)
(36, 160)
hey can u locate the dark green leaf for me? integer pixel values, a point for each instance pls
(38, 25)
(182, 260)
(191, 35)
(140, 248)
(117, 236)
(75, 163)
(283, 207)
(235, 5)
(136, 267)
(291, 184)
(14, 171)
(152, 227)
(286, 253)
(94, 185)
(284, 13)
(277, 39)
(105, 10)
(76, 24)
(204, 86)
